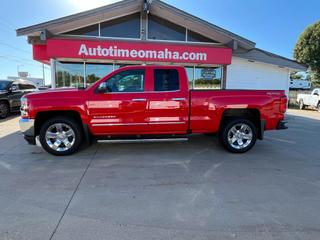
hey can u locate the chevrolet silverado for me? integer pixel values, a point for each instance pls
(148, 103)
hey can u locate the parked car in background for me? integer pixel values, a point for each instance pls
(299, 84)
(309, 100)
(11, 93)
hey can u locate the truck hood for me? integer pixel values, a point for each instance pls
(56, 93)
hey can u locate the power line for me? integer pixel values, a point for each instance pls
(13, 47)
(6, 29)
(7, 22)
(13, 59)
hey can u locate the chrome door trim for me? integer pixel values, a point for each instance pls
(117, 124)
(134, 124)
(178, 99)
(162, 123)
(139, 100)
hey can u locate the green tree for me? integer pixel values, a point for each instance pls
(307, 50)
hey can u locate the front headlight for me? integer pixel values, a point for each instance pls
(24, 107)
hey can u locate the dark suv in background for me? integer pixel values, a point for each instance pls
(11, 93)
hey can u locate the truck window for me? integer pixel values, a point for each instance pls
(208, 77)
(166, 80)
(126, 81)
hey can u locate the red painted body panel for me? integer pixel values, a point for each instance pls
(161, 112)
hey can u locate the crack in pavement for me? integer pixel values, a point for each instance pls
(73, 194)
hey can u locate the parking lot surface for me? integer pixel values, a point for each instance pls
(192, 190)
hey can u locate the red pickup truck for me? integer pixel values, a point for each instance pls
(148, 102)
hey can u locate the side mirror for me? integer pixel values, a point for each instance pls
(102, 88)
(13, 88)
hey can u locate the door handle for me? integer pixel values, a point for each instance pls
(139, 100)
(178, 99)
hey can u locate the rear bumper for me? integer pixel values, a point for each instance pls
(282, 125)
(27, 129)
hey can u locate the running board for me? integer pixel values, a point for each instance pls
(150, 140)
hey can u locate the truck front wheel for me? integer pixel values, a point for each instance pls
(61, 136)
(238, 135)
(4, 110)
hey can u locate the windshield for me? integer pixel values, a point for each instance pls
(4, 85)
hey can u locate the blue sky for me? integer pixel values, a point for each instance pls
(273, 24)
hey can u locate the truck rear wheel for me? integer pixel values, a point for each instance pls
(61, 136)
(238, 135)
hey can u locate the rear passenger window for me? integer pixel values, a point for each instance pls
(166, 80)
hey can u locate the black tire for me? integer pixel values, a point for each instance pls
(225, 131)
(301, 105)
(4, 110)
(77, 130)
(318, 107)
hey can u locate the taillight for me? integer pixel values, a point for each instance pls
(24, 107)
(283, 104)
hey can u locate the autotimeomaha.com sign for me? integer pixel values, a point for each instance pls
(136, 51)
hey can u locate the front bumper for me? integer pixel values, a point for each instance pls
(27, 129)
(282, 125)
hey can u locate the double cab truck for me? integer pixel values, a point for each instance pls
(310, 100)
(148, 103)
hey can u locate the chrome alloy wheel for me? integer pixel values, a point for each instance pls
(60, 137)
(240, 136)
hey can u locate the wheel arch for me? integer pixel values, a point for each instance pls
(251, 114)
(5, 101)
(42, 117)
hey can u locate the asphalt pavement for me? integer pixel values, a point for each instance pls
(184, 190)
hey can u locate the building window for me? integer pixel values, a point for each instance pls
(96, 71)
(124, 27)
(126, 81)
(69, 74)
(195, 37)
(92, 30)
(161, 29)
(208, 77)
(166, 80)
